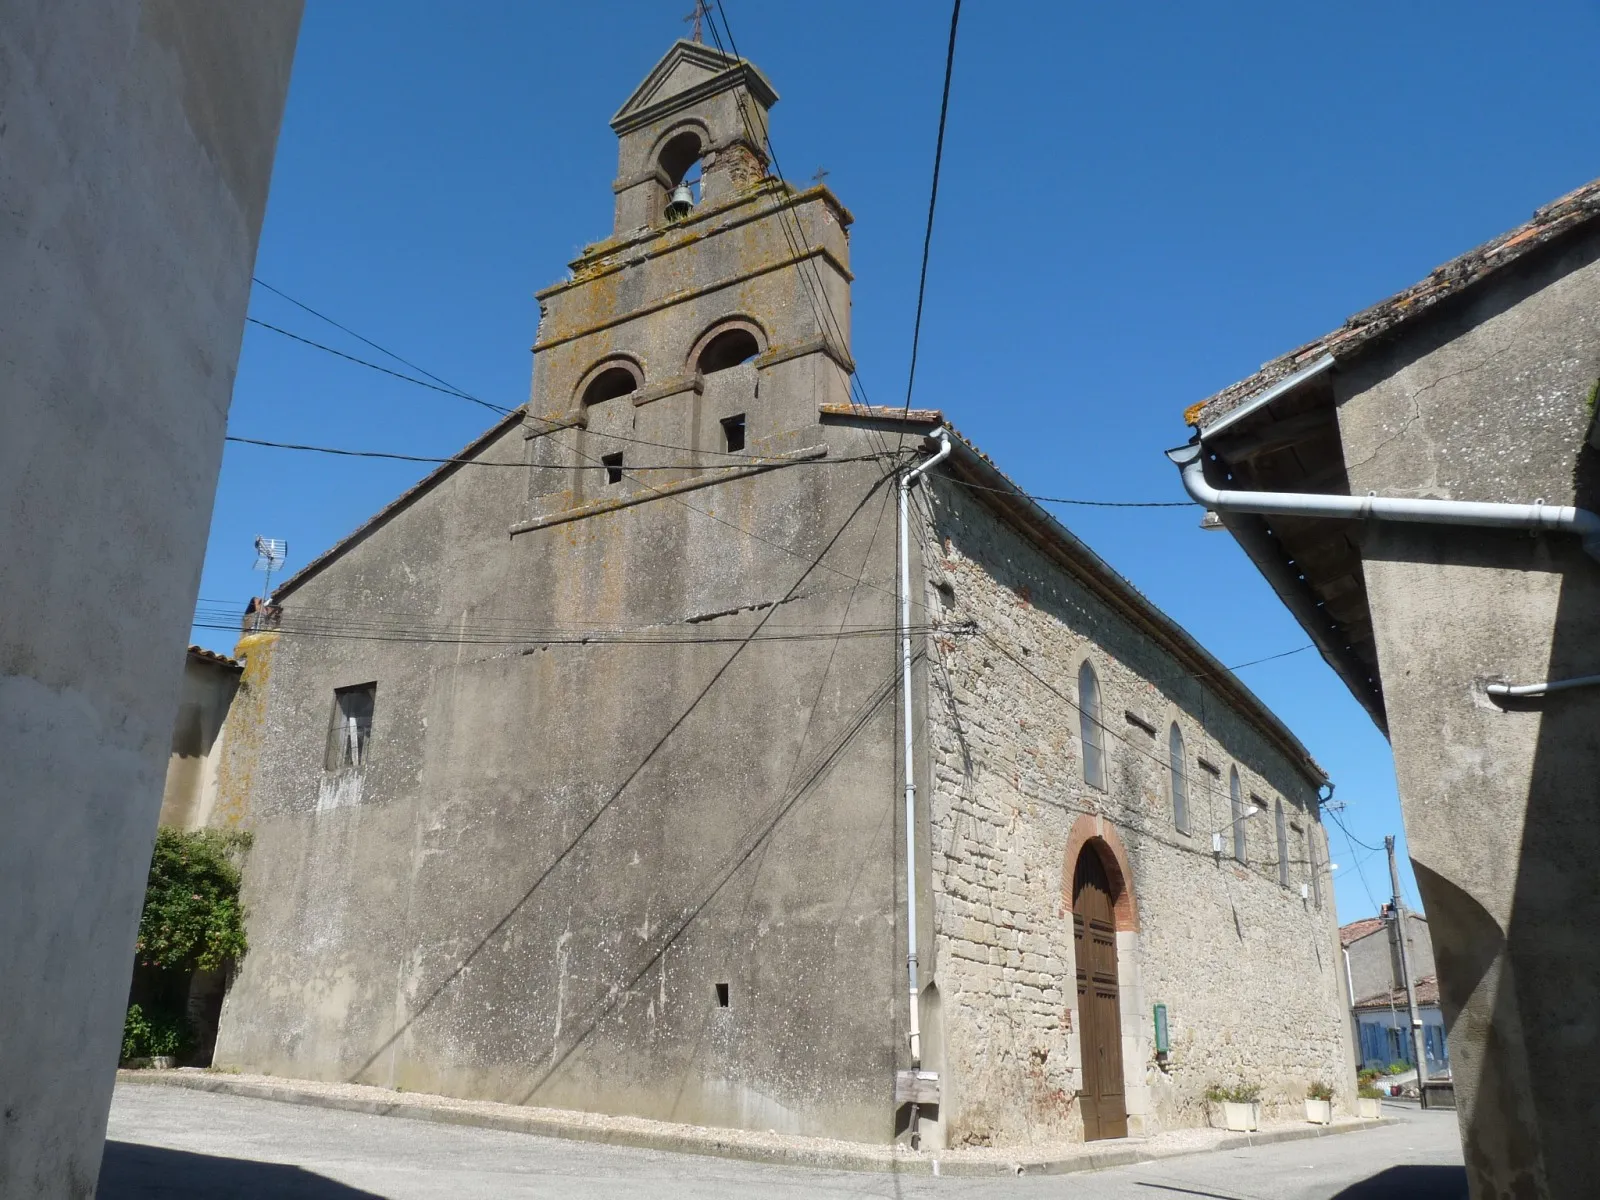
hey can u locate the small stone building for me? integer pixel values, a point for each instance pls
(1377, 985)
(209, 683)
(575, 773)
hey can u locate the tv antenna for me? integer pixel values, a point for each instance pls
(270, 555)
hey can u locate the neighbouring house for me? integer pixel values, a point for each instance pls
(1419, 487)
(1376, 980)
(576, 775)
(136, 146)
(209, 683)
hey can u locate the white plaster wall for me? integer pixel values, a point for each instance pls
(136, 141)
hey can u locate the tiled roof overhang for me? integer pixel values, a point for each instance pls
(1277, 431)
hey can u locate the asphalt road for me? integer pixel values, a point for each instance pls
(179, 1144)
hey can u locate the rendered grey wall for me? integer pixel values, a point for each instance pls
(559, 849)
(136, 143)
(1492, 400)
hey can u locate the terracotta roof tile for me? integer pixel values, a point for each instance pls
(1357, 930)
(1427, 993)
(221, 660)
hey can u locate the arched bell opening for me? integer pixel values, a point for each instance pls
(676, 168)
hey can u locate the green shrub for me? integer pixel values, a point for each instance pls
(1319, 1091)
(1366, 1074)
(1238, 1093)
(192, 918)
(1398, 1068)
(192, 921)
(1368, 1092)
(158, 1033)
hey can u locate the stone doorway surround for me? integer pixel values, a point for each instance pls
(1099, 834)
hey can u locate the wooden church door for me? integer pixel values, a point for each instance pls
(1094, 937)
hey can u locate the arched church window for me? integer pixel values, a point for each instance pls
(1089, 730)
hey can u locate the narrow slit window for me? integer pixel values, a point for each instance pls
(1094, 764)
(1283, 846)
(350, 733)
(733, 433)
(1239, 812)
(722, 995)
(613, 465)
(1180, 782)
(1314, 857)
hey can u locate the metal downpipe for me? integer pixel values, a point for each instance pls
(905, 483)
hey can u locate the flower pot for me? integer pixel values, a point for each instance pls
(1319, 1112)
(1241, 1118)
(1369, 1108)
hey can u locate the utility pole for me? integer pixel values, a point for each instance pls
(1418, 1048)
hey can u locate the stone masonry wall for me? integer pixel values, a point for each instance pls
(1249, 971)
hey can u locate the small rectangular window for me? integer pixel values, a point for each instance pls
(613, 465)
(350, 734)
(733, 433)
(722, 995)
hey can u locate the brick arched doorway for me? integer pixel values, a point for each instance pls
(1101, 1099)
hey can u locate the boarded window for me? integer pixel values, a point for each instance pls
(1180, 782)
(1283, 846)
(350, 735)
(1089, 728)
(1237, 809)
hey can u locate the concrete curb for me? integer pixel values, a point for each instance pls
(695, 1140)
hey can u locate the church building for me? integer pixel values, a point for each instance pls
(582, 781)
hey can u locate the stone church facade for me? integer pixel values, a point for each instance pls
(577, 781)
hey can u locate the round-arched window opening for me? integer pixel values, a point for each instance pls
(728, 349)
(609, 384)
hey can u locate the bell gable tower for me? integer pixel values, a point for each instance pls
(715, 318)
(697, 106)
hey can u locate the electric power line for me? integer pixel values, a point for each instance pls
(933, 198)
(449, 389)
(978, 487)
(522, 463)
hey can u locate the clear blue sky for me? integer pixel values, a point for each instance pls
(1141, 203)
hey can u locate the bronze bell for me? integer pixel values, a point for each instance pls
(681, 203)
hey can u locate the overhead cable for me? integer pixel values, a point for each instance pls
(933, 198)
(478, 462)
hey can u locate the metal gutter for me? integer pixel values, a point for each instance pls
(1562, 518)
(1263, 398)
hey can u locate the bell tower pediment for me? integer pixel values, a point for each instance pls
(690, 74)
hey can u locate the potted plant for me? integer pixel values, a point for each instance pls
(1396, 1068)
(1319, 1103)
(1369, 1102)
(1241, 1105)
